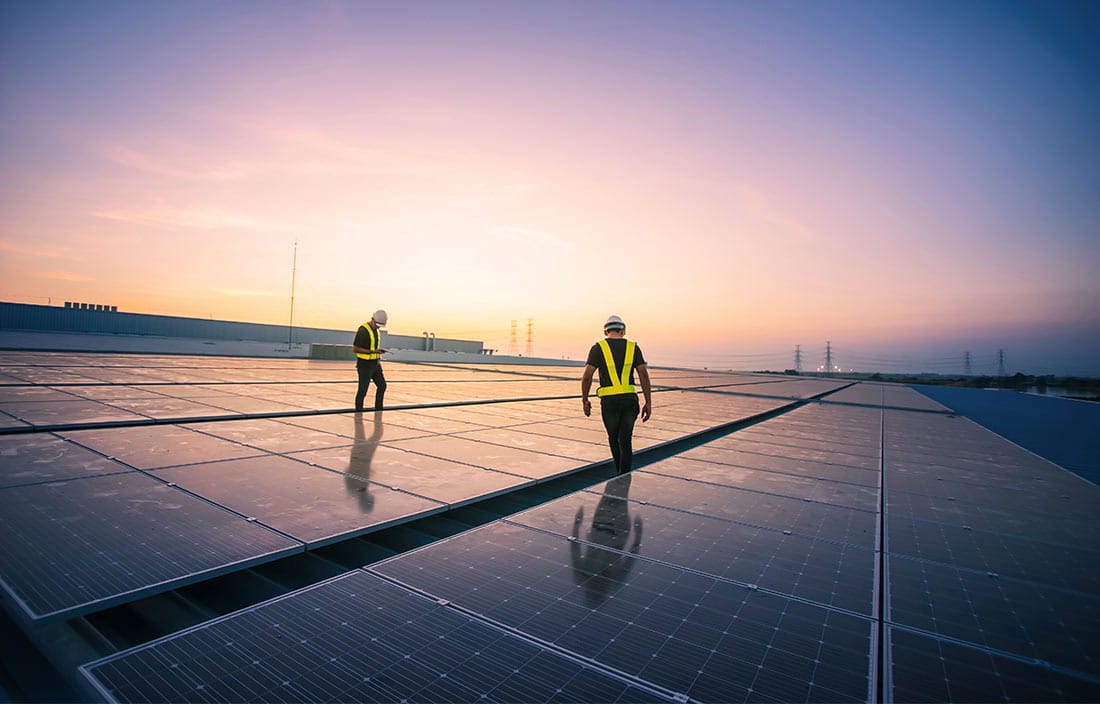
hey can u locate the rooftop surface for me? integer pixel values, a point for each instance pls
(224, 529)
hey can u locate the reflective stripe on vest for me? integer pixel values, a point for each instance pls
(373, 344)
(619, 384)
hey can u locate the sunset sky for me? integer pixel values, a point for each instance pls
(908, 180)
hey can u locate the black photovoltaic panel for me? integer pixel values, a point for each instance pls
(1012, 516)
(988, 546)
(1025, 618)
(440, 480)
(857, 496)
(43, 457)
(789, 465)
(311, 504)
(150, 447)
(832, 457)
(752, 503)
(50, 413)
(702, 637)
(73, 547)
(925, 669)
(515, 437)
(961, 500)
(788, 429)
(826, 572)
(524, 463)
(8, 422)
(355, 638)
(271, 435)
(1063, 566)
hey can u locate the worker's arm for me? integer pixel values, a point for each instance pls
(586, 386)
(643, 378)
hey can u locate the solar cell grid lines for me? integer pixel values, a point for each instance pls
(679, 629)
(776, 562)
(310, 504)
(766, 553)
(74, 546)
(320, 646)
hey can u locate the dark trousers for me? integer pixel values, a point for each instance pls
(370, 370)
(619, 413)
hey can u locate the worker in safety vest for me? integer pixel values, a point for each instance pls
(368, 362)
(617, 359)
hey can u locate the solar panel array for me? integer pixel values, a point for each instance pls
(871, 545)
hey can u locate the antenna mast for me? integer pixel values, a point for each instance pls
(293, 275)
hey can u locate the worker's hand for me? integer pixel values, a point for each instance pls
(645, 412)
(587, 406)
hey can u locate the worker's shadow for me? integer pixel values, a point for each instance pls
(602, 572)
(359, 462)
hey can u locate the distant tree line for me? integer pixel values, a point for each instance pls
(1017, 381)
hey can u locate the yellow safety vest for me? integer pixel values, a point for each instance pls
(373, 344)
(620, 384)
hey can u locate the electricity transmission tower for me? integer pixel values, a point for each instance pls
(966, 365)
(798, 358)
(1001, 363)
(828, 358)
(530, 337)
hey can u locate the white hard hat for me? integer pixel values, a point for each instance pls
(380, 317)
(614, 322)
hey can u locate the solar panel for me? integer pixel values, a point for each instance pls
(27, 459)
(751, 574)
(752, 503)
(516, 461)
(310, 504)
(354, 638)
(440, 480)
(925, 669)
(271, 435)
(591, 436)
(787, 465)
(515, 437)
(856, 496)
(827, 572)
(50, 413)
(158, 446)
(985, 551)
(1009, 615)
(71, 547)
(696, 635)
(373, 427)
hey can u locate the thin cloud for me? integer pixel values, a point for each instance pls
(47, 252)
(244, 293)
(196, 219)
(531, 237)
(61, 276)
(162, 165)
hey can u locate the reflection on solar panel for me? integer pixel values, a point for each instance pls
(75, 546)
(866, 545)
(354, 639)
(682, 630)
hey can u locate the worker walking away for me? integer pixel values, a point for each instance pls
(617, 359)
(368, 362)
